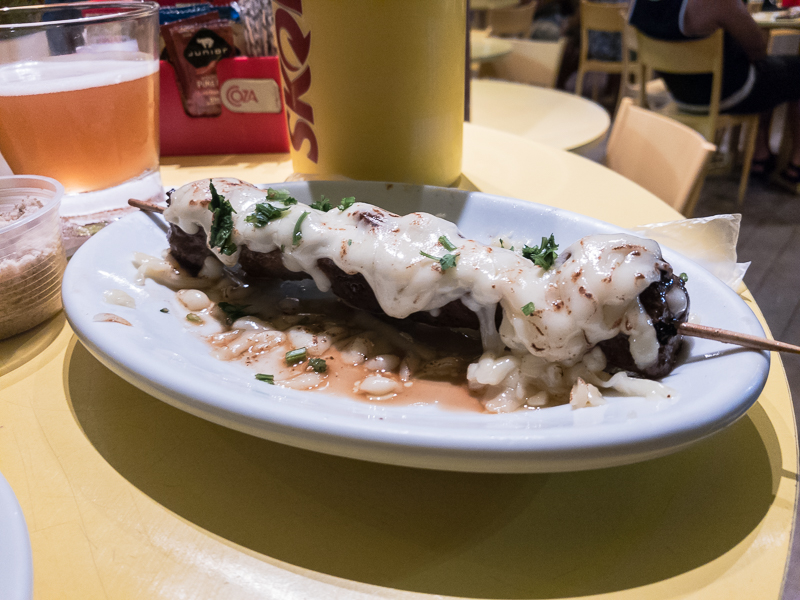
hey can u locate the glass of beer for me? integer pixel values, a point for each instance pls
(79, 100)
(374, 89)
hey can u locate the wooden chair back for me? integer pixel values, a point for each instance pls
(607, 17)
(603, 16)
(783, 42)
(665, 157)
(533, 62)
(754, 6)
(657, 94)
(685, 57)
(512, 22)
(630, 75)
(693, 57)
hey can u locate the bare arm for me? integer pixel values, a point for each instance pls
(704, 17)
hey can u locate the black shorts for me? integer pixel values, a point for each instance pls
(777, 81)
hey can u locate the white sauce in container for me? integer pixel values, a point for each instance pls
(32, 258)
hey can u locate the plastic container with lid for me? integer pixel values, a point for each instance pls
(32, 258)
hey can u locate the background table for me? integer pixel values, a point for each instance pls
(552, 117)
(126, 497)
(769, 20)
(484, 48)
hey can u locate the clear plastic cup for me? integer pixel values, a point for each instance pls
(32, 258)
(79, 101)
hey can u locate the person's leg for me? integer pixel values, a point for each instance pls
(792, 170)
(777, 81)
(793, 118)
(762, 155)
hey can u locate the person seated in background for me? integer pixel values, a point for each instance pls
(752, 81)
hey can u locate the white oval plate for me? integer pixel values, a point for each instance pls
(162, 357)
(16, 562)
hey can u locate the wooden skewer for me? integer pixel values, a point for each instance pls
(146, 206)
(689, 329)
(731, 337)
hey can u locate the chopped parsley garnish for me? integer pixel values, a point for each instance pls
(448, 261)
(502, 245)
(193, 318)
(325, 205)
(322, 204)
(270, 379)
(528, 309)
(318, 364)
(280, 196)
(295, 356)
(233, 311)
(264, 213)
(297, 236)
(448, 245)
(544, 255)
(164, 310)
(221, 223)
(683, 277)
(347, 203)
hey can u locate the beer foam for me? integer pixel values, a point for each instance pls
(55, 76)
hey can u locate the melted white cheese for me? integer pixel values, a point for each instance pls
(590, 296)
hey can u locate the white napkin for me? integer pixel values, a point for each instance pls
(709, 241)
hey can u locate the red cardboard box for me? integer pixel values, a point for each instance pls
(253, 119)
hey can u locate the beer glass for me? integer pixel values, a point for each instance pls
(374, 89)
(79, 100)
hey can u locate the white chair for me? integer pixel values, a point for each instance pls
(531, 61)
(662, 155)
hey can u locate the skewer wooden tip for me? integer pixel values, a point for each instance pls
(732, 337)
(146, 206)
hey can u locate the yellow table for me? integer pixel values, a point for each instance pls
(126, 497)
(552, 117)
